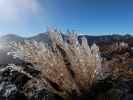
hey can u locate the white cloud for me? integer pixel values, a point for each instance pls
(18, 10)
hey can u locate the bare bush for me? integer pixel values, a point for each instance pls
(66, 67)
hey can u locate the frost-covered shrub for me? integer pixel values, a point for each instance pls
(67, 67)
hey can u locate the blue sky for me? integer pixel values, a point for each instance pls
(93, 17)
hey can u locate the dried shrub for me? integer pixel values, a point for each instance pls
(66, 67)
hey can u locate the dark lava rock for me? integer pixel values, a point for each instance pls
(9, 91)
(109, 89)
(44, 95)
(128, 97)
(108, 56)
(131, 51)
(130, 66)
(12, 83)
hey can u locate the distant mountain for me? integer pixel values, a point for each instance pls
(10, 38)
(7, 39)
(43, 37)
(107, 39)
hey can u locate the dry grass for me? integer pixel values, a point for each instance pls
(65, 67)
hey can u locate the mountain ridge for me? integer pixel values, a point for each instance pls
(43, 36)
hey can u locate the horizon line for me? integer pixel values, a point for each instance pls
(78, 33)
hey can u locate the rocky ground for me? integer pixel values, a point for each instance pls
(116, 83)
(12, 84)
(12, 87)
